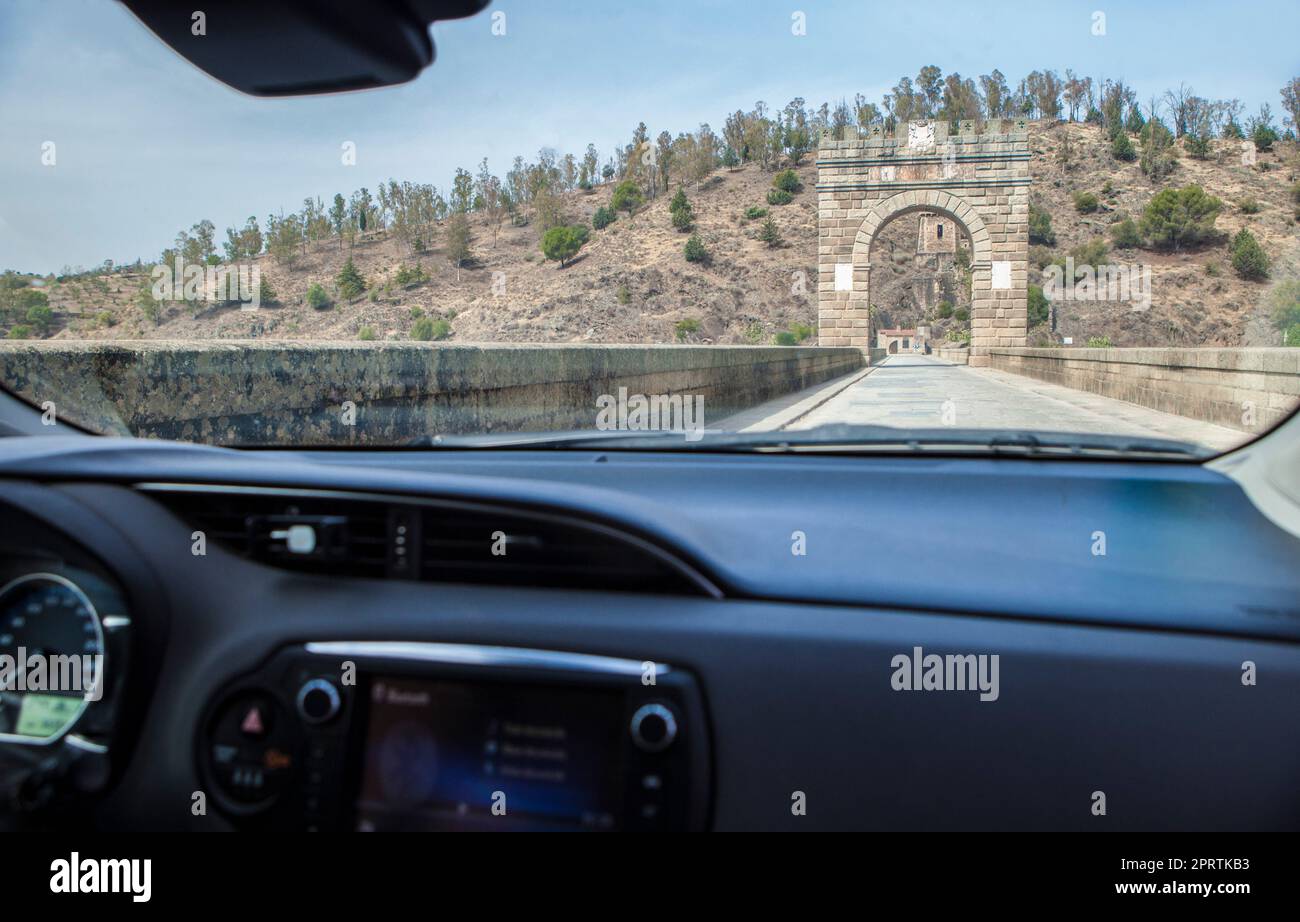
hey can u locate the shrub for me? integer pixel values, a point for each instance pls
(366, 334)
(754, 212)
(1122, 148)
(1292, 336)
(1213, 270)
(786, 181)
(349, 281)
(1040, 226)
(317, 298)
(41, 316)
(944, 310)
(785, 338)
(961, 314)
(563, 243)
(1099, 342)
(779, 197)
(410, 275)
(1285, 304)
(695, 251)
(684, 328)
(1125, 234)
(770, 234)
(21, 331)
(603, 218)
(429, 328)
(623, 295)
(1178, 217)
(1091, 253)
(802, 331)
(1085, 202)
(1248, 257)
(1039, 306)
(1249, 206)
(627, 196)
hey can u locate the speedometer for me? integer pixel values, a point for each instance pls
(51, 657)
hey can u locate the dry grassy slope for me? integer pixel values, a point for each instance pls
(745, 294)
(1189, 306)
(746, 290)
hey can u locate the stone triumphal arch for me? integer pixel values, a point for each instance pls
(978, 176)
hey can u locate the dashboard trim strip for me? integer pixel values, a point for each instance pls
(480, 655)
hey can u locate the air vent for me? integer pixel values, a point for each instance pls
(445, 541)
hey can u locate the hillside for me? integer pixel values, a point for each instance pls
(631, 282)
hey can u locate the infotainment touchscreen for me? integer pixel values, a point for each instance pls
(485, 755)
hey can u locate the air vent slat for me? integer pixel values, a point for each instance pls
(432, 540)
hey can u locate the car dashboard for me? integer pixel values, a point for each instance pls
(517, 639)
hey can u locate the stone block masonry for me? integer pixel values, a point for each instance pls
(1246, 389)
(978, 176)
(268, 393)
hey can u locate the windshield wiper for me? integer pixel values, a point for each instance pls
(844, 438)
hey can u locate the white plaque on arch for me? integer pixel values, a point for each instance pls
(1001, 275)
(844, 276)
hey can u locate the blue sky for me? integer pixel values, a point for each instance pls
(148, 145)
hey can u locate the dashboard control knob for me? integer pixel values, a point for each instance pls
(653, 728)
(318, 701)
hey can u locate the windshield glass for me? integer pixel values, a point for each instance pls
(679, 226)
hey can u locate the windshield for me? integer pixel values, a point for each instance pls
(725, 226)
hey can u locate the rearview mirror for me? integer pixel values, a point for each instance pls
(303, 47)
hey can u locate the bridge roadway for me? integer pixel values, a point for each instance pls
(917, 391)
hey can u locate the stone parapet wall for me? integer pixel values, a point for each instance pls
(1246, 389)
(261, 393)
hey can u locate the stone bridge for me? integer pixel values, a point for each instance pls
(978, 177)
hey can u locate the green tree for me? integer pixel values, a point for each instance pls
(627, 196)
(338, 217)
(1248, 257)
(1157, 160)
(695, 250)
(458, 242)
(603, 218)
(770, 233)
(779, 197)
(1122, 148)
(563, 243)
(683, 215)
(349, 281)
(41, 316)
(1175, 218)
(265, 293)
(1085, 202)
